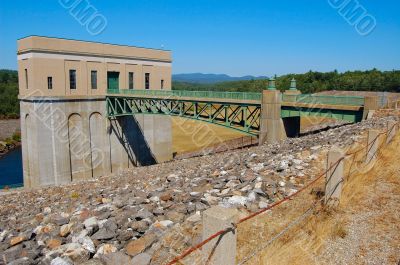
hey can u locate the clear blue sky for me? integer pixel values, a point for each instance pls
(217, 36)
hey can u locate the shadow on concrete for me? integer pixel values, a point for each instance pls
(132, 138)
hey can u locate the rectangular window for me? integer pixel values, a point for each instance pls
(162, 83)
(26, 78)
(147, 80)
(93, 79)
(49, 82)
(72, 79)
(130, 80)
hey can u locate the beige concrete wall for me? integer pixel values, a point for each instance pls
(101, 78)
(41, 68)
(39, 43)
(49, 57)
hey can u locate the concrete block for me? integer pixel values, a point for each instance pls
(335, 175)
(223, 248)
(373, 144)
(391, 131)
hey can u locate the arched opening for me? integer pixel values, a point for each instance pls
(79, 152)
(97, 130)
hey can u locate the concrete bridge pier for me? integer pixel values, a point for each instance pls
(272, 128)
(370, 106)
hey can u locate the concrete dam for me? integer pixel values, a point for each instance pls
(90, 109)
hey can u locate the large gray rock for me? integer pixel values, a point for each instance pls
(91, 223)
(11, 254)
(87, 244)
(115, 258)
(75, 252)
(60, 220)
(21, 261)
(141, 259)
(104, 234)
(143, 214)
(61, 261)
(93, 262)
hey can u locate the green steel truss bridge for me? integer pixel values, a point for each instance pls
(235, 110)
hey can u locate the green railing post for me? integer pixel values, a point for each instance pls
(272, 84)
(293, 85)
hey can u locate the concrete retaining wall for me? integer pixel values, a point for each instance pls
(72, 139)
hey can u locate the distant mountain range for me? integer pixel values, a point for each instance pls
(211, 78)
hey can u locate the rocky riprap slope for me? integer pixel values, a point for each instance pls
(147, 215)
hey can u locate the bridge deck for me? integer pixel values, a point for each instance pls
(245, 102)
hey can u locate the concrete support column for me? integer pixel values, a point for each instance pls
(222, 249)
(335, 175)
(271, 124)
(373, 144)
(392, 129)
(370, 105)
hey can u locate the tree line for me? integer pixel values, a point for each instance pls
(311, 82)
(9, 105)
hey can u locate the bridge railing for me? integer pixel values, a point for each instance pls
(188, 94)
(302, 98)
(326, 100)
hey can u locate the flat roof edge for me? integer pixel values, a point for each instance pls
(98, 42)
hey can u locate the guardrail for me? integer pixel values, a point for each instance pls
(302, 98)
(322, 99)
(188, 94)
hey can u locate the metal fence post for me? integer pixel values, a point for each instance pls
(334, 175)
(221, 250)
(373, 143)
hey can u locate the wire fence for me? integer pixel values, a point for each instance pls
(349, 155)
